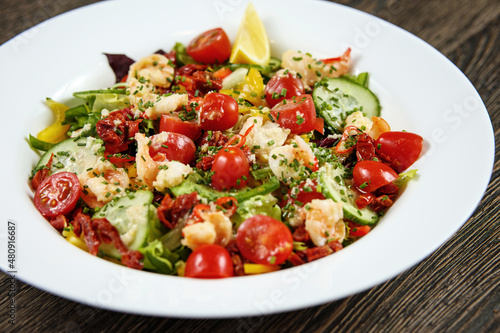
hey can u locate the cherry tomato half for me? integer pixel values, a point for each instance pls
(57, 194)
(172, 123)
(298, 115)
(307, 192)
(371, 175)
(399, 149)
(218, 112)
(209, 261)
(212, 46)
(264, 240)
(283, 86)
(168, 146)
(231, 169)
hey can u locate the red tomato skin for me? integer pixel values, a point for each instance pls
(218, 112)
(399, 149)
(289, 81)
(306, 196)
(298, 116)
(212, 46)
(356, 230)
(176, 147)
(371, 175)
(230, 165)
(58, 194)
(209, 261)
(172, 123)
(264, 240)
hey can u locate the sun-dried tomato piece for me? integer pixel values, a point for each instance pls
(297, 259)
(335, 246)
(42, 173)
(171, 211)
(236, 258)
(59, 222)
(213, 139)
(317, 252)
(300, 234)
(205, 163)
(109, 234)
(382, 202)
(365, 147)
(116, 130)
(132, 259)
(205, 81)
(83, 223)
(189, 69)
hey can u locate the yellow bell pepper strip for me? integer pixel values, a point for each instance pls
(74, 239)
(56, 132)
(251, 89)
(259, 268)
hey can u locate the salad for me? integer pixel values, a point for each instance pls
(199, 166)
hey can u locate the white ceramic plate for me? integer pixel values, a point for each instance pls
(420, 91)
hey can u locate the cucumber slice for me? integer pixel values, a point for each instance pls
(90, 93)
(72, 155)
(131, 216)
(331, 179)
(336, 98)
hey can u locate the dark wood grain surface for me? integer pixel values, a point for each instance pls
(456, 289)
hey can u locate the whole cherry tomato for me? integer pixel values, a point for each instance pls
(264, 240)
(212, 46)
(371, 175)
(172, 123)
(209, 261)
(57, 194)
(231, 169)
(399, 149)
(298, 114)
(168, 146)
(283, 86)
(218, 112)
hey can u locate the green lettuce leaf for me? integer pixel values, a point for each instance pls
(257, 205)
(159, 259)
(405, 177)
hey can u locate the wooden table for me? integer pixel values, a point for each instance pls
(456, 289)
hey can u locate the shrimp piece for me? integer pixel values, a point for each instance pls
(146, 79)
(335, 67)
(360, 121)
(166, 104)
(155, 69)
(290, 161)
(260, 137)
(324, 221)
(103, 182)
(147, 168)
(172, 174)
(379, 126)
(216, 228)
(198, 234)
(141, 95)
(312, 70)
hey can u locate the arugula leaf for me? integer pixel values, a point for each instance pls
(181, 56)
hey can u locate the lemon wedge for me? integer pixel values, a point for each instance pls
(251, 45)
